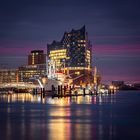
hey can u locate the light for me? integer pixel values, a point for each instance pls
(57, 56)
(44, 80)
(111, 87)
(78, 72)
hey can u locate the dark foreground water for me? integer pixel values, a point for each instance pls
(108, 117)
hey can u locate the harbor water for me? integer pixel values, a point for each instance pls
(101, 117)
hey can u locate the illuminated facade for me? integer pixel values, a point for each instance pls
(58, 56)
(30, 71)
(8, 75)
(72, 54)
(36, 66)
(74, 49)
(36, 57)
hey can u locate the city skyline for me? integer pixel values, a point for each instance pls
(113, 29)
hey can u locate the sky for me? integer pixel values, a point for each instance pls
(113, 28)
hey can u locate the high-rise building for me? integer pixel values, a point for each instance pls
(73, 53)
(36, 57)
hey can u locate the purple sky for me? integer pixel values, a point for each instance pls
(113, 27)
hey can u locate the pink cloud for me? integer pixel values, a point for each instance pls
(11, 47)
(116, 49)
(115, 37)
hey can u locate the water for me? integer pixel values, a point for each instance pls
(108, 117)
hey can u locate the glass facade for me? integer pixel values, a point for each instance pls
(8, 75)
(72, 55)
(77, 49)
(30, 71)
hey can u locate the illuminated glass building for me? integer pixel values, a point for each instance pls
(8, 75)
(29, 71)
(72, 53)
(36, 57)
(36, 66)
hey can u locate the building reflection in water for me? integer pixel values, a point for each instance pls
(27, 97)
(68, 123)
(58, 118)
(60, 124)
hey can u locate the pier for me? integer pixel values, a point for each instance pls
(64, 91)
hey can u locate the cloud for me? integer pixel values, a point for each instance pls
(113, 28)
(123, 49)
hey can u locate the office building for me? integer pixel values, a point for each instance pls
(28, 72)
(36, 66)
(8, 75)
(36, 57)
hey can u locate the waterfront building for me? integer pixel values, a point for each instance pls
(36, 57)
(72, 55)
(36, 66)
(28, 72)
(8, 75)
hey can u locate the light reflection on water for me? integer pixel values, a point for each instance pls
(106, 117)
(27, 97)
